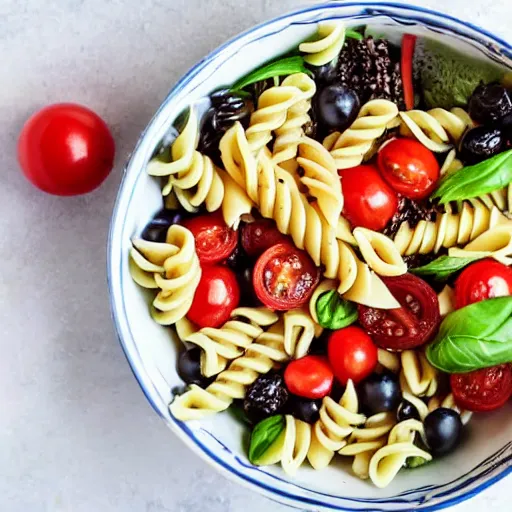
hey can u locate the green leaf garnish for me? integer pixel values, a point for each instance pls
(334, 312)
(353, 34)
(476, 180)
(281, 67)
(476, 336)
(264, 440)
(443, 267)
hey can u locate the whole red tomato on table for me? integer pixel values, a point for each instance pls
(66, 149)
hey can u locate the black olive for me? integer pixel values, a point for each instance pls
(304, 409)
(443, 429)
(156, 230)
(265, 397)
(407, 411)
(325, 74)
(189, 367)
(380, 393)
(337, 107)
(248, 297)
(481, 143)
(237, 260)
(490, 103)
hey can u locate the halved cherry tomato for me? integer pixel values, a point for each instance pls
(482, 280)
(309, 377)
(483, 390)
(406, 69)
(259, 235)
(217, 295)
(284, 277)
(410, 326)
(352, 354)
(409, 167)
(214, 240)
(369, 201)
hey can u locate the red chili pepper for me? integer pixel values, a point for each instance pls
(408, 44)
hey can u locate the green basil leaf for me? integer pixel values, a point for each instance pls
(354, 34)
(334, 312)
(475, 180)
(415, 462)
(281, 67)
(264, 435)
(476, 336)
(239, 414)
(443, 267)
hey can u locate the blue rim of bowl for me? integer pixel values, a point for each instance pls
(134, 358)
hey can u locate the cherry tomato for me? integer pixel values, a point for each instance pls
(214, 240)
(217, 295)
(409, 167)
(410, 326)
(284, 277)
(482, 280)
(309, 377)
(352, 354)
(259, 235)
(66, 149)
(483, 390)
(369, 200)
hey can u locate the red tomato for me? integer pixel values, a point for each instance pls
(259, 235)
(482, 280)
(214, 240)
(217, 295)
(309, 377)
(66, 149)
(284, 277)
(352, 354)
(410, 326)
(369, 201)
(483, 390)
(409, 167)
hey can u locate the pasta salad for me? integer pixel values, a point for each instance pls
(334, 252)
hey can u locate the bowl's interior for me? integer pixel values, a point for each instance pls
(152, 349)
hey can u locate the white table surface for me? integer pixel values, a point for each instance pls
(76, 433)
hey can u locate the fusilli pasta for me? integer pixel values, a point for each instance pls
(173, 268)
(350, 147)
(264, 354)
(418, 376)
(299, 331)
(221, 345)
(327, 46)
(273, 107)
(193, 178)
(296, 444)
(446, 300)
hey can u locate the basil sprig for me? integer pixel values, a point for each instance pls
(353, 34)
(443, 267)
(475, 180)
(476, 336)
(266, 440)
(281, 67)
(334, 312)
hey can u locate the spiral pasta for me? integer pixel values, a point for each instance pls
(264, 354)
(321, 178)
(449, 229)
(446, 300)
(451, 163)
(379, 252)
(173, 268)
(418, 376)
(192, 177)
(277, 196)
(291, 132)
(297, 441)
(436, 129)
(365, 441)
(299, 331)
(221, 345)
(350, 147)
(325, 286)
(337, 421)
(273, 107)
(327, 46)
(387, 461)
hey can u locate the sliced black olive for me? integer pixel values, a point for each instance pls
(337, 107)
(481, 143)
(443, 429)
(189, 367)
(156, 230)
(490, 103)
(304, 409)
(380, 393)
(407, 411)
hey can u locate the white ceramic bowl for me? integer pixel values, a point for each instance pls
(486, 455)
